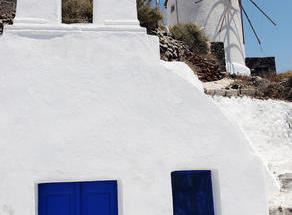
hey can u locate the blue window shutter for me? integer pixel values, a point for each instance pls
(99, 198)
(80, 198)
(192, 193)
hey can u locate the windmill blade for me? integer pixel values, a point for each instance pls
(250, 23)
(263, 12)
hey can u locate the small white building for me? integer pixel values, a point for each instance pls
(221, 21)
(94, 105)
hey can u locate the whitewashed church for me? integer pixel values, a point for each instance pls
(93, 123)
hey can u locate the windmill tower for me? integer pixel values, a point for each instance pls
(222, 21)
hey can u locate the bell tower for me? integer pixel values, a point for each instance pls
(105, 12)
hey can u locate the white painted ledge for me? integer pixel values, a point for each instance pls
(122, 22)
(26, 27)
(30, 21)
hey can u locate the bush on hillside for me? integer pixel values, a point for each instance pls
(283, 76)
(193, 36)
(77, 11)
(148, 16)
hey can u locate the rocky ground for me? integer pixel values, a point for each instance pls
(210, 71)
(255, 87)
(207, 67)
(266, 88)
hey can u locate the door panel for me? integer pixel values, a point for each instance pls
(58, 199)
(99, 198)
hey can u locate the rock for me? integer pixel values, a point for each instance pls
(220, 92)
(232, 93)
(163, 47)
(286, 181)
(168, 55)
(280, 211)
(248, 92)
(209, 92)
(1, 27)
(235, 86)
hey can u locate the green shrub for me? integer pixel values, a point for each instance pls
(77, 11)
(193, 36)
(148, 16)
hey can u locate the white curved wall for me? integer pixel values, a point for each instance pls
(209, 14)
(88, 104)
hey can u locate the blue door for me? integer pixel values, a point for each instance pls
(192, 193)
(80, 198)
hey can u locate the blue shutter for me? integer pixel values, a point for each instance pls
(192, 193)
(81, 198)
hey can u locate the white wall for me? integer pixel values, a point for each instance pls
(209, 15)
(115, 12)
(110, 12)
(38, 11)
(81, 105)
(90, 102)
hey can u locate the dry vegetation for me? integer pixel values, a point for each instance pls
(193, 36)
(272, 87)
(77, 11)
(148, 16)
(281, 76)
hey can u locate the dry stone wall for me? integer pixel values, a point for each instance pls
(7, 11)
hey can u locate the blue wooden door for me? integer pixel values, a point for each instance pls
(192, 193)
(80, 198)
(99, 198)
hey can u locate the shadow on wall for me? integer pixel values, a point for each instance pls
(228, 26)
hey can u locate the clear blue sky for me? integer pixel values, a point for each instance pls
(276, 41)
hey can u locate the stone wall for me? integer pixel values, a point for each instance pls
(261, 66)
(217, 49)
(7, 10)
(233, 92)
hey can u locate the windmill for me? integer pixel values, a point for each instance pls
(222, 21)
(244, 13)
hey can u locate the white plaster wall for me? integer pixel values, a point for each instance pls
(209, 15)
(115, 12)
(38, 11)
(185, 72)
(109, 12)
(90, 105)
